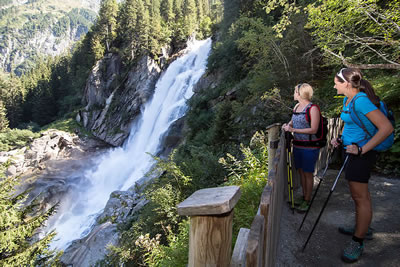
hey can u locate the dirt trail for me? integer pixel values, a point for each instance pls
(326, 243)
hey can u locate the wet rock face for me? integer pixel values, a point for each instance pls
(51, 167)
(120, 206)
(113, 100)
(89, 250)
(92, 248)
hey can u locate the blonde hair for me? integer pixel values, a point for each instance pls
(305, 91)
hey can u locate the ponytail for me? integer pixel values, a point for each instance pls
(367, 88)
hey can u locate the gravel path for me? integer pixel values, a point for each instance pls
(326, 243)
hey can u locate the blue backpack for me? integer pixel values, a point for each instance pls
(388, 142)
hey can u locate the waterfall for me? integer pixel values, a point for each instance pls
(120, 168)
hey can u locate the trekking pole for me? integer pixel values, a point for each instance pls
(316, 190)
(326, 201)
(289, 168)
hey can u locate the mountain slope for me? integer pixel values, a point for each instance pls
(33, 28)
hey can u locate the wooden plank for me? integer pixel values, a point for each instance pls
(210, 240)
(239, 252)
(273, 135)
(264, 211)
(210, 201)
(254, 245)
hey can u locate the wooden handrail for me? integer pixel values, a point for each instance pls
(211, 214)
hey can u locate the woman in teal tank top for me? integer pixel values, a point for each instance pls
(349, 82)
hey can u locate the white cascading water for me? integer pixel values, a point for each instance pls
(120, 168)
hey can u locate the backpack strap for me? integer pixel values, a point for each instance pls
(354, 116)
(295, 108)
(308, 116)
(308, 110)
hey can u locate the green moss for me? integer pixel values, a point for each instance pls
(67, 125)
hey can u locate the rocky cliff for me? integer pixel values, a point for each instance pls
(113, 99)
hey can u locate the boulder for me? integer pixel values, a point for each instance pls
(89, 250)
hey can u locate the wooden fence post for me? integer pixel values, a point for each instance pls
(255, 246)
(273, 140)
(211, 214)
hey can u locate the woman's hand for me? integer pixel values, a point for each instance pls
(285, 127)
(290, 129)
(336, 142)
(352, 149)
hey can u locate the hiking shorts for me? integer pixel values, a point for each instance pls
(305, 158)
(358, 168)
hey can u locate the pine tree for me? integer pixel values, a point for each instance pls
(157, 35)
(107, 22)
(200, 11)
(11, 93)
(142, 35)
(167, 11)
(126, 27)
(17, 230)
(3, 117)
(190, 16)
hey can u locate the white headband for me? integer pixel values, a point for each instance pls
(340, 75)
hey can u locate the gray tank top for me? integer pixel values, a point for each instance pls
(300, 122)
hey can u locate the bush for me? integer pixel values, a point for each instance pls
(16, 138)
(250, 173)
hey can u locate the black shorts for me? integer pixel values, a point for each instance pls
(358, 168)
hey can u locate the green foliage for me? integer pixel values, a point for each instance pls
(288, 9)
(15, 138)
(359, 32)
(175, 254)
(105, 28)
(250, 173)
(205, 27)
(11, 96)
(387, 86)
(3, 118)
(18, 228)
(67, 125)
(253, 32)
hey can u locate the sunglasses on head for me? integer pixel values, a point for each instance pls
(298, 87)
(340, 75)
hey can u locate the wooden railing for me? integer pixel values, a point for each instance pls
(211, 212)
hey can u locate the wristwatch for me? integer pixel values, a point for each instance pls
(359, 150)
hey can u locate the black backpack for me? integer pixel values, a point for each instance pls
(322, 132)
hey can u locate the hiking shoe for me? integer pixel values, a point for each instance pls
(352, 251)
(303, 207)
(350, 231)
(297, 201)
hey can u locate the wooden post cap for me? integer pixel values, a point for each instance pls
(210, 201)
(273, 125)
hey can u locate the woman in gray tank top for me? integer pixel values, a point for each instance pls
(305, 156)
